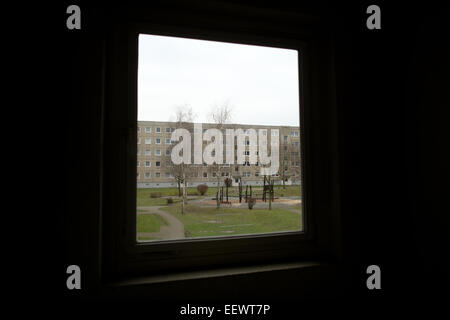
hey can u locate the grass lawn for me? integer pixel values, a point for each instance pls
(208, 221)
(172, 192)
(146, 238)
(149, 223)
(148, 202)
(144, 199)
(289, 191)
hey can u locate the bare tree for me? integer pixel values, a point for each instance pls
(285, 157)
(183, 115)
(295, 174)
(183, 118)
(221, 116)
(289, 162)
(268, 188)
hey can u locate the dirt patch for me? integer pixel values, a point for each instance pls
(235, 202)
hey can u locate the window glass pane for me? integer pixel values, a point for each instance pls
(227, 116)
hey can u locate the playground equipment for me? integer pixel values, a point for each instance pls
(267, 192)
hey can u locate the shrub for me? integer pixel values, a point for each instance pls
(228, 182)
(251, 202)
(155, 195)
(169, 200)
(202, 188)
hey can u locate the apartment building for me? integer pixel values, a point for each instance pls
(155, 168)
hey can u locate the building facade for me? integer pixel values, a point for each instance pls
(155, 168)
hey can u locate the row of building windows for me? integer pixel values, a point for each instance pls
(148, 152)
(158, 163)
(157, 152)
(148, 175)
(157, 129)
(168, 141)
(245, 163)
(168, 175)
(148, 164)
(170, 130)
(157, 141)
(294, 143)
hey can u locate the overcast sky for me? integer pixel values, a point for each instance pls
(259, 83)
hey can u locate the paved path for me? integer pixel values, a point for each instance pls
(174, 229)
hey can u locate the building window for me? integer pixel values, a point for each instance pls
(148, 130)
(157, 174)
(148, 164)
(148, 141)
(168, 141)
(158, 163)
(167, 130)
(147, 175)
(158, 141)
(148, 152)
(158, 130)
(205, 175)
(158, 152)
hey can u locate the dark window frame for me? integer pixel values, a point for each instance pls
(123, 255)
